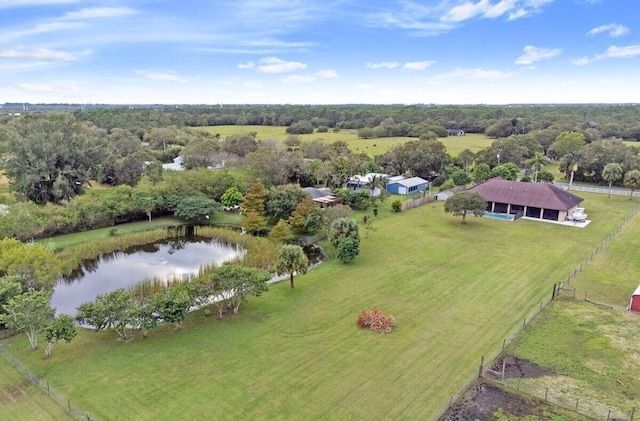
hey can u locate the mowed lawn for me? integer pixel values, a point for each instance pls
(456, 292)
(21, 400)
(372, 147)
(615, 273)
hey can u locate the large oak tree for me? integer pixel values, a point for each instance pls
(50, 157)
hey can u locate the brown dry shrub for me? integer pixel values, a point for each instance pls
(376, 320)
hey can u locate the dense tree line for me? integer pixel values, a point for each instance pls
(497, 121)
(51, 157)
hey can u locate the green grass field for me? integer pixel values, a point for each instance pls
(21, 400)
(455, 290)
(592, 354)
(613, 276)
(372, 147)
(592, 350)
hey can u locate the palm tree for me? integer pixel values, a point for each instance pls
(611, 172)
(291, 259)
(632, 181)
(569, 164)
(378, 181)
(538, 161)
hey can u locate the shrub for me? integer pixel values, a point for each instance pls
(376, 320)
(396, 205)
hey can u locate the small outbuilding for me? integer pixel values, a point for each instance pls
(634, 303)
(401, 185)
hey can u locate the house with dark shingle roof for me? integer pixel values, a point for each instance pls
(322, 198)
(534, 200)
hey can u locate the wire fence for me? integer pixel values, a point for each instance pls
(567, 397)
(550, 395)
(44, 385)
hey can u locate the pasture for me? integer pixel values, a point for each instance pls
(456, 292)
(372, 147)
(21, 400)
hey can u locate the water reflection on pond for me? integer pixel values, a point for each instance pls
(174, 257)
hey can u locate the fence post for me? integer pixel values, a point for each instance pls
(504, 343)
(524, 322)
(504, 364)
(48, 387)
(553, 294)
(546, 392)
(609, 415)
(633, 412)
(481, 366)
(576, 404)
(69, 404)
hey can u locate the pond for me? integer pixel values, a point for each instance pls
(175, 257)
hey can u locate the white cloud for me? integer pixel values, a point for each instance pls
(365, 87)
(41, 54)
(247, 65)
(533, 54)
(162, 76)
(473, 74)
(275, 65)
(384, 65)
(517, 14)
(326, 74)
(613, 30)
(418, 65)
(322, 74)
(613, 51)
(297, 79)
(466, 10)
(620, 52)
(500, 8)
(514, 9)
(581, 61)
(99, 12)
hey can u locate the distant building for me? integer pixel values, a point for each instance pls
(455, 132)
(176, 165)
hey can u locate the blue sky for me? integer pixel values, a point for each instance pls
(320, 51)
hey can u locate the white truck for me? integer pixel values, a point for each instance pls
(577, 215)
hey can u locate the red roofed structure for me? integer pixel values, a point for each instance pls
(534, 200)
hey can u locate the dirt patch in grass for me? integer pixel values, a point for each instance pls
(517, 367)
(483, 399)
(13, 392)
(487, 401)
